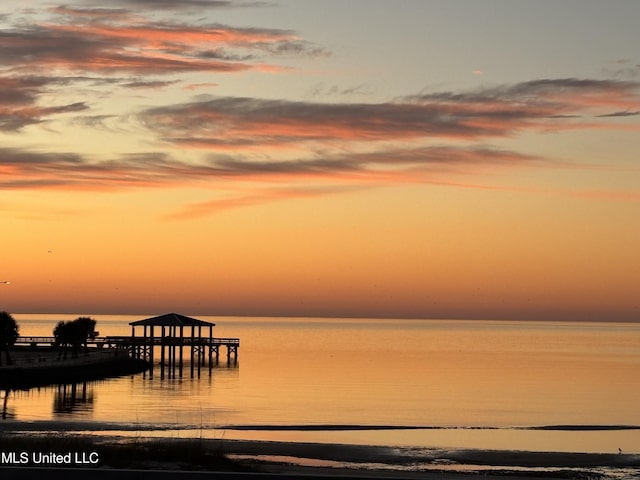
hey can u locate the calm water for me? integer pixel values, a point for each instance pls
(473, 384)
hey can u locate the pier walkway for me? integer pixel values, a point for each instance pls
(124, 342)
(202, 350)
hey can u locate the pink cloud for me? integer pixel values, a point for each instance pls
(109, 40)
(544, 105)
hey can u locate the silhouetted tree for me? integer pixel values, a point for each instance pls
(62, 334)
(8, 335)
(74, 334)
(86, 329)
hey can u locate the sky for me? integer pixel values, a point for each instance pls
(414, 159)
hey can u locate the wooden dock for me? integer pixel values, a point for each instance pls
(125, 342)
(170, 333)
(202, 351)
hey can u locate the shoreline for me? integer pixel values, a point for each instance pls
(39, 367)
(582, 439)
(330, 459)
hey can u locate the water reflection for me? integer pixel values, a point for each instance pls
(73, 399)
(426, 373)
(196, 369)
(68, 399)
(129, 398)
(7, 412)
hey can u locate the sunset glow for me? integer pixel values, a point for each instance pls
(423, 159)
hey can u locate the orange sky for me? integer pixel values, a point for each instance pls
(231, 161)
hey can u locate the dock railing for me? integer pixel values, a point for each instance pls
(124, 340)
(200, 350)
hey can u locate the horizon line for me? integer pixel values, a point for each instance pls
(342, 317)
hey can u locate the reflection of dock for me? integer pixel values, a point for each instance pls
(72, 399)
(171, 334)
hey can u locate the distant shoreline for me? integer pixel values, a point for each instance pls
(76, 426)
(26, 316)
(337, 427)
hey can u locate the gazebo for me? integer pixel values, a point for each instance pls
(172, 325)
(172, 329)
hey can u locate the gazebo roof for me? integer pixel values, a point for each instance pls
(172, 320)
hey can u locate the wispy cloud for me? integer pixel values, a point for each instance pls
(111, 49)
(18, 102)
(331, 146)
(539, 99)
(386, 131)
(620, 114)
(107, 40)
(341, 174)
(152, 84)
(197, 86)
(491, 112)
(256, 197)
(49, 53)
(623, 68)
(23, 168)
(322, 147)
(27, 169)
(322, 89)
(172, 5)
(377, 166)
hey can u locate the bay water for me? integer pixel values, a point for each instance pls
(516, 385)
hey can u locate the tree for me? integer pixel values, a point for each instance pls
(86, 329)
(74, 334)
(8, 335)
(62, 334)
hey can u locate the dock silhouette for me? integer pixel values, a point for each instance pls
(172, 334)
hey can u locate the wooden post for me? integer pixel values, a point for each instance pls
(174, 347)
(192, 350)
(144, 343)
(153, 343)
(201, 358)
(162, 354)
(175, 350)
(172, 352)
(210, 347)
(130, 348)
(181, 346)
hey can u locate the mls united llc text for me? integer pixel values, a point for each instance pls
(49, 458)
